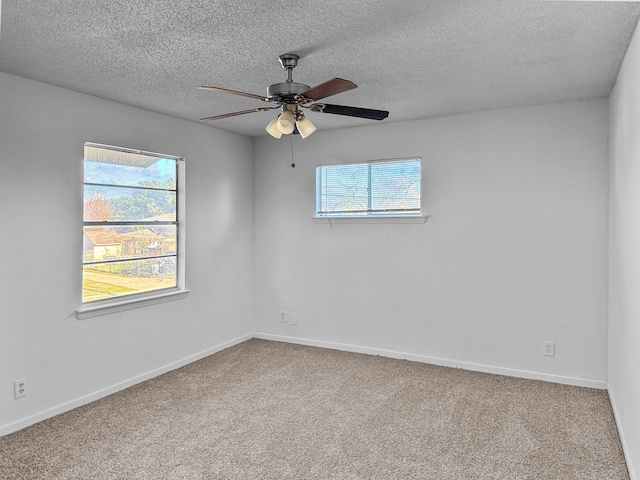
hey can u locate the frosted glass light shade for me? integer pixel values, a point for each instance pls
(286, 122)
(305, 127)
(272, 128)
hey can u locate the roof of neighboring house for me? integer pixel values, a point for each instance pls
(103, 237)
(144, 233)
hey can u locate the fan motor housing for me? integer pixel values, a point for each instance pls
(286, 91)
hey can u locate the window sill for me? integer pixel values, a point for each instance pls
(90, 311)
(372, 219)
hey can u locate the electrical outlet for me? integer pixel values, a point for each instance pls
(283, 316)
(20, 388)
(294, 319)
(548, 348)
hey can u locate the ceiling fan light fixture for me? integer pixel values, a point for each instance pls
(272, 128)
(286, 122)
(304, 125)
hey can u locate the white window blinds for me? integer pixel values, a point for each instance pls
(383, 188)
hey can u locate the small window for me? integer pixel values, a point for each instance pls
(130, 231)
(380, 188)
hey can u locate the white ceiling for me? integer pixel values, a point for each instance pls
(415, 58)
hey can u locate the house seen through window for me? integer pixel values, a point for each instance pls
(379, 188)
(130, 231)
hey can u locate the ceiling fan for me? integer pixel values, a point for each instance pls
(290, 97)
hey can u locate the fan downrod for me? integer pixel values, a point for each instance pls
(289, 61)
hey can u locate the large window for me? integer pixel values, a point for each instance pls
(380, 188)
(130, 232)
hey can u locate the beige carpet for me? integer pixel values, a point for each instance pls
(268, 410)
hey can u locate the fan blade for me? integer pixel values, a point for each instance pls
(234, 92)
(328, 88)
(227, 115)
(349, 111)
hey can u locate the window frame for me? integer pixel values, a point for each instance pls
(141, 299)
(359, 216)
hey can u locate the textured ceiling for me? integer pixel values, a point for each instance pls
(414, 58)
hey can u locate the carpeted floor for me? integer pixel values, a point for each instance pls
(269, 410)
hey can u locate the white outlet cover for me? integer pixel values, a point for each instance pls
(20, 388)
(548, 348)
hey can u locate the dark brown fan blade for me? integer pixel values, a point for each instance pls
(234, 92)
(328, 88)
(227, 115)
(349, 111)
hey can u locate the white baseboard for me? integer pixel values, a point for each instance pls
(78, 402)
(65, 407)
(625, 446)
(477, 367)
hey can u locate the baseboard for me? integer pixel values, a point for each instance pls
(477, 367)
(625, 445)
(78, 402)
(65, 407)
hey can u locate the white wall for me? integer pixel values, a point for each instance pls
(515, 251)
(42, 132)
(624, 257)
